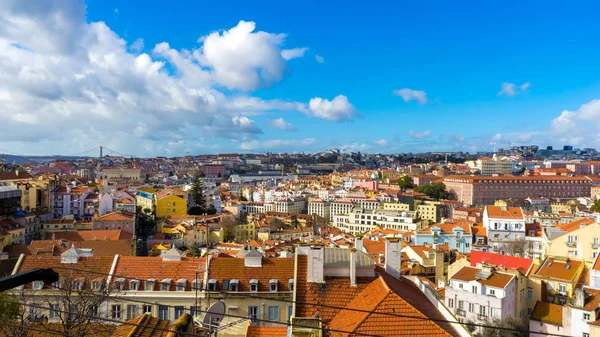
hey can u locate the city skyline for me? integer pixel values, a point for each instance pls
(383, 78)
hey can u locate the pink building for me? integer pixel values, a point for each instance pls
(212, 170)
(371, 185)
(477, 190)
(425, 179)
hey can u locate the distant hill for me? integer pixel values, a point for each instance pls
(9, 159)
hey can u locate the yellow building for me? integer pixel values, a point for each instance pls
(393, 206)
(145, 198)
(559, 275)
(244, 232)
(579, 239)
(170, 205)
(564, 207)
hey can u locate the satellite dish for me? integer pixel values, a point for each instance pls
(214, 316)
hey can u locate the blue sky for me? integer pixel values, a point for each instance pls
(450, 58)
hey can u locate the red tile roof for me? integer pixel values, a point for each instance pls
(101, 235)
(559, 269)
(498, 212)
(267, 331)
(497, 260)
(144, 268)
(497, 279)
(97, 266)
(115, 216)
(281, 269)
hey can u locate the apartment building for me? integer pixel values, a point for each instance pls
(505, 228)
(67, 200)
(291, 205)
(558, 278)
(360, 220)
(458, 236)
(117, 220)
(579, 239)
(481, 294)
(479, 190)
(319, 207)
(494, 166)
(127, 173)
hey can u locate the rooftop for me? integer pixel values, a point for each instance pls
(548, 313)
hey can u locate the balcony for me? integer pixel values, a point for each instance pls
(482, 317)
(571, 244)
(595, 245)
(461, 312)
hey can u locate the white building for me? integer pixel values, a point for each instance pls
(320, 208)
(360, 220)
(505, 225)
(291, 205)
(481, 294)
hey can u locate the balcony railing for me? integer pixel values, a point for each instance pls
(595, 245)
(482, 317)
(461, 312)
(572, 243)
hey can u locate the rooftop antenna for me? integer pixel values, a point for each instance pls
(213, 317)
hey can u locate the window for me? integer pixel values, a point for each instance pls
(492, 292)
(460, 286)
(529, 293)
(225, 285)
(147, 309)
(461, 304)
(196, 285)
(494, 312)
(149, 285)
(174, 203)
(212, 284)
(234, 285)
(482, 310)
(181, 284)
(119, 283)
(273, 285)
(521, 313)
(178, 311)
(194, 311)
(474, 289)
(471, 307)
(116, 311)
(291, 284)
(586, 316)
(562, 288)
(54, 309)
(93, 310)
(521, 295)
(273, 313)
(254, 285)
(37, 285)
(571, 238)
(529, 311)
(134, 285)
(132, 311)
(450, 303)
(253, 313)
(165, 285)
(163, 312)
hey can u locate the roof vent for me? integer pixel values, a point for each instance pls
(568, 267)
(549, 264)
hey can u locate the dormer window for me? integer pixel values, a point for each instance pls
(291, 284)
(253, 285)
(96, 284)
(197, 284)
(234, 285)
(165, 285)
(119, 283)
(212, 285)
(77, 284)
(134, 285)
(225, 285)
(37, 285)
(181, 284)
(149, 284)
(273, 285)
(56, 284)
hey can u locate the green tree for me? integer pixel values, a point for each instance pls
(243, 198)
(197, 193)
(595, 206)
(433, 190)
(406, 182)
(9, 309)
(194, 251)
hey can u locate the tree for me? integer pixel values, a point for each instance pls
(433, 190)
(405, 183)
(194, 251)
(517, 328)
(228, 224)
(197, 193)
(243, 198)
(516, 248)
(211, 210)
(73, 308)
(595, 206)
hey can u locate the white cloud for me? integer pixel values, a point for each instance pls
(290, 54)
(570, 125)
(381, 142)
(338, 109)
(319, 59)
(419, 135)
(411, 95)
(497, 137)
(137, 45)
(68, 85)
(280, 124)
(511, 89)
(279, 144)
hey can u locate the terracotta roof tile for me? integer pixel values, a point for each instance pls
(496, 279)
(498, 212)
(561, 270)
(145, 268)
(548, 313)
(267, 331)
(115, 216)
(281, 269)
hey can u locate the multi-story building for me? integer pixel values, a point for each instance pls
(457, 235)
(127, 173)
(170, 204)
(478, 190)
(557, 277)
(115, 220)
(481, 294)
(320, 208)
(494, 166)
(146, 198)
(360, 220)
(505, 229)
(579, 239)
(67, 200)
(291, 205)
(212, 170)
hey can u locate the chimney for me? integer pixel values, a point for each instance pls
(393, 259)
(353, 267)
(579, 300)
(17, 172)
(53, 236)
(315, 265)
(358, 243)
